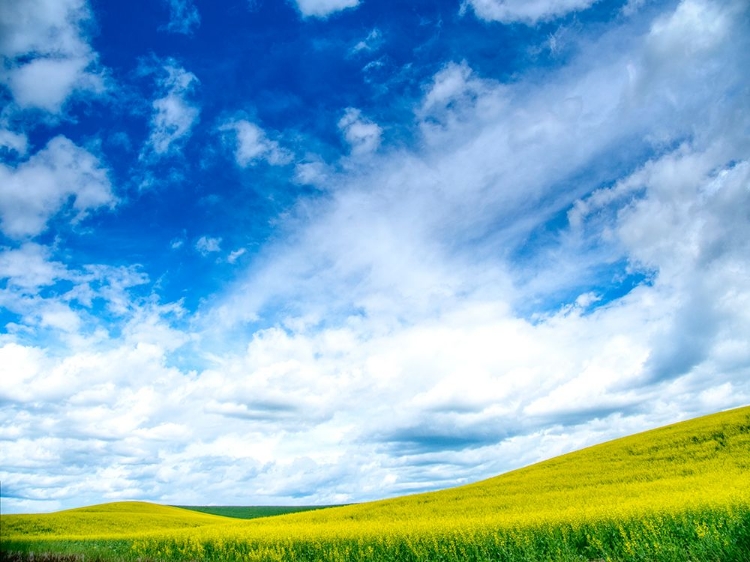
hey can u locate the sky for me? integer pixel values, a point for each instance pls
(294, 252)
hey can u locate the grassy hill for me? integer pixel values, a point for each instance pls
(109, 520)
(675, 493)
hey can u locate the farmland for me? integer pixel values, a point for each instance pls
(675, 493)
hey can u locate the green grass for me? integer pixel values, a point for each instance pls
(252, 512)
(673, 494)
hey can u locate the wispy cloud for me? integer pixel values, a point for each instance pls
(174, 114)
(323, 8)
(235, 255)
(208, 245)
(184, 16)
(372, 42)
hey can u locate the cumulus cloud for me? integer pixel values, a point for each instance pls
(29, 268)
(183, 16)
(454, 96)
(323, 8)
(16, 142)
(252, 145)
(530, 12)
(60, 177)
(174, 113)
(362, 134)
(45, 41)
(687, 229)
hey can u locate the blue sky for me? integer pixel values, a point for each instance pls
(319, 251)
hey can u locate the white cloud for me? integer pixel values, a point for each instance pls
(450, 86)
(362, 134)
(632, 7)
(17, 142)
(457, 95)
(62, 317)
(372, 42)
(183, 16)
(312, 171)
(526, 11)
(252, 145)
(42, 186)
(235, 255)
(688, 229)
(323, 8)
(62, 78)
(207, 245)
(56, 302)
(42, 26)
(29, 268)
(174, 114)
(44, 41)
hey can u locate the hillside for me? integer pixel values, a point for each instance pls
(704, 461)
(120, 519)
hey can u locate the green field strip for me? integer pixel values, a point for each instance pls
(252, 512)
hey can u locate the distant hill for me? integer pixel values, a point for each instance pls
(252, 512)
(119, 519)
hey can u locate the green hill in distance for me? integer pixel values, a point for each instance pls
(252, 512)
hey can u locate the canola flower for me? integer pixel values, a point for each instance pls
(676, 493)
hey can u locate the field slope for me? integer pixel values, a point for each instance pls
(675, 493)
(109, 520)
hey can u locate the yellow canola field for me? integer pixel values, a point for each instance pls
(110, 520)
(690, 466)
